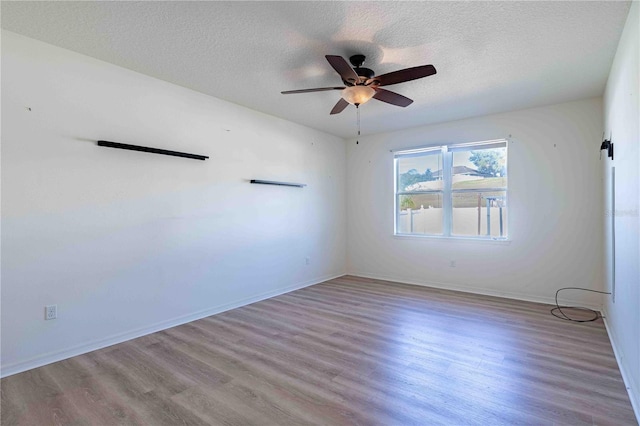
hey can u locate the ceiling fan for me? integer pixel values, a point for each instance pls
(361, 84)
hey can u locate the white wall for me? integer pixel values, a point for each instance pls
(126, 243)
(622, 122)
(555, 208)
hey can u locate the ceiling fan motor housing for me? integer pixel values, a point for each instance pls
(365, 72)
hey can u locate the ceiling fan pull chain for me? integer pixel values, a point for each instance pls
(358, 121)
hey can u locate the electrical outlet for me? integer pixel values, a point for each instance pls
(50, 312)
(307, 260)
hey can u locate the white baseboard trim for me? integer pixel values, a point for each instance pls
(51, 357)
(478, 290)
(634, 394)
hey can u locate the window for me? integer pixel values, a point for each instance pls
(452, 190)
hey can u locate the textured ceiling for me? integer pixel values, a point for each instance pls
(490, 56)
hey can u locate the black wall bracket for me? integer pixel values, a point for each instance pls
(608, 145)
(152, 150)
(273, 182)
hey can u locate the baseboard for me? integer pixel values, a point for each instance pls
(56, 356)
(478, 290)
(632, 388)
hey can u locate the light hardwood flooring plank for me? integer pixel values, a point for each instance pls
(350, 351)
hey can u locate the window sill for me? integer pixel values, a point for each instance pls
(499, 241)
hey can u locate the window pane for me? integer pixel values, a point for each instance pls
(480, 214)
(420, 214)
(479, 168)
(420, 173)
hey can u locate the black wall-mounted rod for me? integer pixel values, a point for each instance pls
(152, 150)
(273, 182)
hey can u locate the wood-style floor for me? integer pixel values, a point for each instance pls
(347, 351)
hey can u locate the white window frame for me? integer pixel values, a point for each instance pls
(447, 191)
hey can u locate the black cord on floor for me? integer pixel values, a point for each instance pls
(559, 313)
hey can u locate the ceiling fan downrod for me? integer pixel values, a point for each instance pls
(364, 74)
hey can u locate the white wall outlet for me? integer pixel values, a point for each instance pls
(452, 264)
(307, 260)
(50, 312)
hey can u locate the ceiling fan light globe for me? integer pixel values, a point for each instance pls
(357, 95)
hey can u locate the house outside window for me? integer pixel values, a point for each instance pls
(452, 190)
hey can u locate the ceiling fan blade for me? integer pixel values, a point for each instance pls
(339, 107)
(318, 89)
(392, 98)
(343, 68)
(406, 74)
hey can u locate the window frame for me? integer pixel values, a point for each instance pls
(447, 150)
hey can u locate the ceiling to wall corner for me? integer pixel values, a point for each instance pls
(490, 56)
